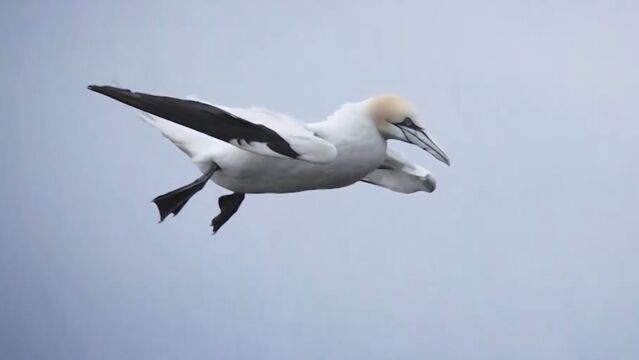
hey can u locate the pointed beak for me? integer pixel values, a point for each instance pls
(417, 136)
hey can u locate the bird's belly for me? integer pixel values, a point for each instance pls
(241, 171)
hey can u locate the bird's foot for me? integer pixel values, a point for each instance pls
(228, 206)
(173, 201)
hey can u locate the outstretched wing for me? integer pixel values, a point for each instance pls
(256, 130)
(397, 174)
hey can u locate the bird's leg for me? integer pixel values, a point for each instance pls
(228, 206)
(173, 201)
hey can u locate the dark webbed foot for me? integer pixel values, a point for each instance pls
(173, 201)
(228, 206)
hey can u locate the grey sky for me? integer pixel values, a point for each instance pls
(527, 250)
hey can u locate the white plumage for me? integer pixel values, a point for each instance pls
(256, 150)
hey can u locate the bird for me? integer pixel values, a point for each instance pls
(255, 150)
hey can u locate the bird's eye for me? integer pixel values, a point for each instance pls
(408, 122)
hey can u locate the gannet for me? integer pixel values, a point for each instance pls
(255, 150)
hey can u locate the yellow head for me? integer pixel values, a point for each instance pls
(396, 118)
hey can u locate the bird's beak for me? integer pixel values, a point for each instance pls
(417, 136)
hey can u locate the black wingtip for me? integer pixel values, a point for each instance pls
(97, 88)
(114, 92)
(125, 96)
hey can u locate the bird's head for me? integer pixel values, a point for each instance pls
(397, 119)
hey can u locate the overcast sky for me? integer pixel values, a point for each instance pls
(528, 249)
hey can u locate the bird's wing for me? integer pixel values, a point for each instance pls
(397, 174)
(198, 146)
(256, 130)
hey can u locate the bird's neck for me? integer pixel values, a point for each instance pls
(350, 124)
